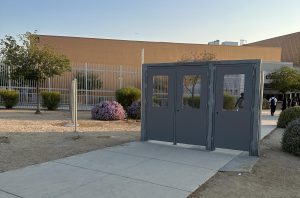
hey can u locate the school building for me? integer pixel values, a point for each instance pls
(274, 53)
(124, 52)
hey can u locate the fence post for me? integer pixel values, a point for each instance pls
(49, 85)
(86, 85)
(142, 56)
(120, 76)
(9, 78)
(74, 105)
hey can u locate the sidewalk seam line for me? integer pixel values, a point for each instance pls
(153, 158)
(115, 174)
(10, 193)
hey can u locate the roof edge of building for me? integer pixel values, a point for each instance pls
(153, 42)
(276, 37)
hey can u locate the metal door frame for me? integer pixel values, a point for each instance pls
(255, 106)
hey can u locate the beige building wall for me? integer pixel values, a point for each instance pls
(290, 45)
(121, 52)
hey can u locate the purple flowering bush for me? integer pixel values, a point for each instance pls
(134, 110)
(108, 110)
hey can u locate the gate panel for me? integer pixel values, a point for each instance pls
(191, 105)
(234, 99)
(160, 104)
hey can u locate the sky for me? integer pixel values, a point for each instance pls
(184, 21)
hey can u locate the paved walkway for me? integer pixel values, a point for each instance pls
(268, 123)
(137, 169)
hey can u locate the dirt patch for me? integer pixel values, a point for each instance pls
(55, 121)
(36, 138)
(276, 174)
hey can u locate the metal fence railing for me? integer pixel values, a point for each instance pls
(96, 83)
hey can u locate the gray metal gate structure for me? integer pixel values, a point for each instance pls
(212, 104)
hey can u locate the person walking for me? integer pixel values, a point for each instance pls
(273, 103)
(289, 101)
(294, 102)
(240, 102)
(283, 104)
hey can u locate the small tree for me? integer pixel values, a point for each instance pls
(191, 81)
(197, 57)
(32, 61)
(285, 79)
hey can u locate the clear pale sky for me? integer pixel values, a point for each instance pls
(192, 21)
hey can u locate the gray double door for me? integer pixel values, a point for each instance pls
(201, 106)
(177, 104)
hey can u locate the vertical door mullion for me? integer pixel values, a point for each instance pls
(174, 109)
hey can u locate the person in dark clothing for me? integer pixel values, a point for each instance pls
(294, 102)
(240, 102)
(273, 103)
(283, 104)
(289, 102)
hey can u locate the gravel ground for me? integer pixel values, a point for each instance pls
(276, 174)
(27, 138)
(55, 121)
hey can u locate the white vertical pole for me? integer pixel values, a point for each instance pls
(120, 76)
(9, 78)
(49, 84)
(75, 104)
(142, 56)
(86, 85)
(72, 102)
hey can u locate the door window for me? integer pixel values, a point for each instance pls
(191, 91)
(160, 91)
(233, 92)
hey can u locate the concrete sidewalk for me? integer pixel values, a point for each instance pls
(136, 169)
(268, 122)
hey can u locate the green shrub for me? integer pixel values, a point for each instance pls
(126, 96)
(51, 99)
(155, 101)
(228, 101)
(192, 102)
(291, 138)
(287, 116)
(265, 104)
(10, 98)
